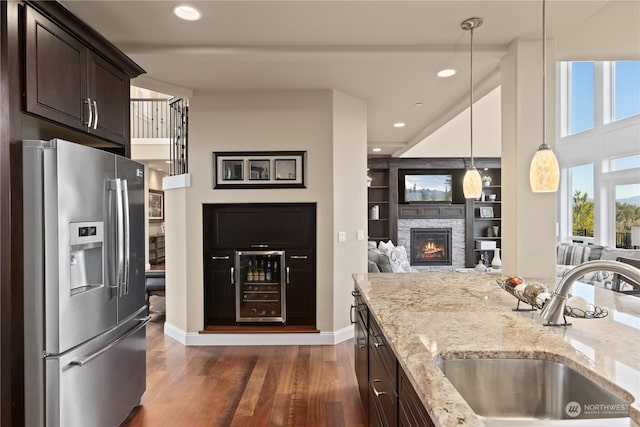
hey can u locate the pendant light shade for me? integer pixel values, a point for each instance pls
(544, 172)
(472, 183)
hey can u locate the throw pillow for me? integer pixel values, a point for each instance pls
(596, 251)
(371, 245)
(399, 260)
(386, 247)
(568, 254)
(601, 279)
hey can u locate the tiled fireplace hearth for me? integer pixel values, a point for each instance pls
(441, 259)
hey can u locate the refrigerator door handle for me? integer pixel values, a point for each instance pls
(119, 236)
(111, 239)
(127, 235)
(84, 360)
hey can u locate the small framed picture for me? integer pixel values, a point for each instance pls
(232, 170)
(156, 206)
(286, 169)
(486, 212)
(259, 170)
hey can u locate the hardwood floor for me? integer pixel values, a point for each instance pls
(247, 386)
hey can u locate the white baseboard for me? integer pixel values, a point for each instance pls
(197, 339)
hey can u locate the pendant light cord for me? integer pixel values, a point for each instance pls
(544, 73)
(471, 97)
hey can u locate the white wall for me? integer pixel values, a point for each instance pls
(271, 121)
(349, 180)
(528, 219)
(452, 139)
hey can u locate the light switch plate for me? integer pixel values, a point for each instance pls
(360, 235)
(342, 236)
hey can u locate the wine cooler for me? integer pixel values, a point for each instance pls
(260, 278)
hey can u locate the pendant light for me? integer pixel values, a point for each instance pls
(544, 172)
(472, 183)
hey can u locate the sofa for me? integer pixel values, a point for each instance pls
(570, 255)
(385, 257)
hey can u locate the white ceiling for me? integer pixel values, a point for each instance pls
(384, 52)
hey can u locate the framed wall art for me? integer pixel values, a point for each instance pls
(156, 206)
(259, 169)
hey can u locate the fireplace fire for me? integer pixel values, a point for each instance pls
(431, 246)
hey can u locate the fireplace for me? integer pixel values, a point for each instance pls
(430, 246)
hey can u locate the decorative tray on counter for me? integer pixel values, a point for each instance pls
(535, 295)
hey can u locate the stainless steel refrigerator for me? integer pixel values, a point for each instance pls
(84, 302)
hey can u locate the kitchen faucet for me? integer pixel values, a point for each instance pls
(553, 310)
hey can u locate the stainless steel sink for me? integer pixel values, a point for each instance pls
(522, 392)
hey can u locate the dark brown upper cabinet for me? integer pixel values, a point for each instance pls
(69, 81)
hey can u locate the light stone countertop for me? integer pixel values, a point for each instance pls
(426, 316)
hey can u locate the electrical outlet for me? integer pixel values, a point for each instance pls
(342, 236)
(360, 235)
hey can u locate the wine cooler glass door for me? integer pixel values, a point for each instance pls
(260, 286)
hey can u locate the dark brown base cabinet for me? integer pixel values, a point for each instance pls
(389, 399)
(290, 227)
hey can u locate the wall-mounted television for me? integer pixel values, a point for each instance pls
(428, 188)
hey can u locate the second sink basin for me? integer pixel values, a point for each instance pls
(519, 391)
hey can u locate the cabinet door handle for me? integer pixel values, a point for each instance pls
(351, 314)
(299, 257)
(233, 280)
(90, 105)
(220, 257)
(355, 293)
(376, 343)
(259, 246)
(95, 107)
(375, 391)
(288, 278)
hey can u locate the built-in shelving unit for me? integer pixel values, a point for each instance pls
(486, 222)
(383, 191)
(379, 225)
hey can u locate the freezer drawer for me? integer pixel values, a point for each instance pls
(99, 391)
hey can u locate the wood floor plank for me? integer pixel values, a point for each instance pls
(246, 386)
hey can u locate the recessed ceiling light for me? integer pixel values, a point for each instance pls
(186, 12)
(446, 72)
(399, 125)
(418, 104)
(376, 149)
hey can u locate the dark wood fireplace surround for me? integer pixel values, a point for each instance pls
(277, 226)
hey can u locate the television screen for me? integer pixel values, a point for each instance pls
(427, 188)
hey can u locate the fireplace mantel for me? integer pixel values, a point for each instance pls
(449, 211)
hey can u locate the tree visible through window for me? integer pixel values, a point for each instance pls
(627, 213)
(582, 204)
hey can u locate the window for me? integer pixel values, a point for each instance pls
(582, 200)
(581, 116)
(623, 163)
(627, 213)
(626, 92)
